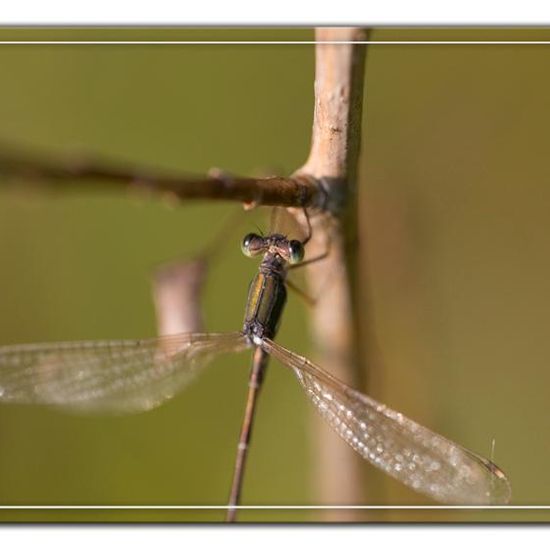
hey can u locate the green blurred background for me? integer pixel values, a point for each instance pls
(454, 214)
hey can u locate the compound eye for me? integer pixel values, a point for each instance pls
(295, 252)
(252, 245)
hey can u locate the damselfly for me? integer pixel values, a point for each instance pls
(136, 375)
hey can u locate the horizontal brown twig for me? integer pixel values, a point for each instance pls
(56, 174)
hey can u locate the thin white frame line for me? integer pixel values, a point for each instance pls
(269, 507)
(266, 42)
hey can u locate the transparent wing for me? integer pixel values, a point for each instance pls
(416, 456)
(108, 376)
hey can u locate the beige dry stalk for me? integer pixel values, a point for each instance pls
(333, 160)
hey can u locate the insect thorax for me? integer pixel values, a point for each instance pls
(266, 300)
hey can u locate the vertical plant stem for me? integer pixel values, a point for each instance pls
(333, 160)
